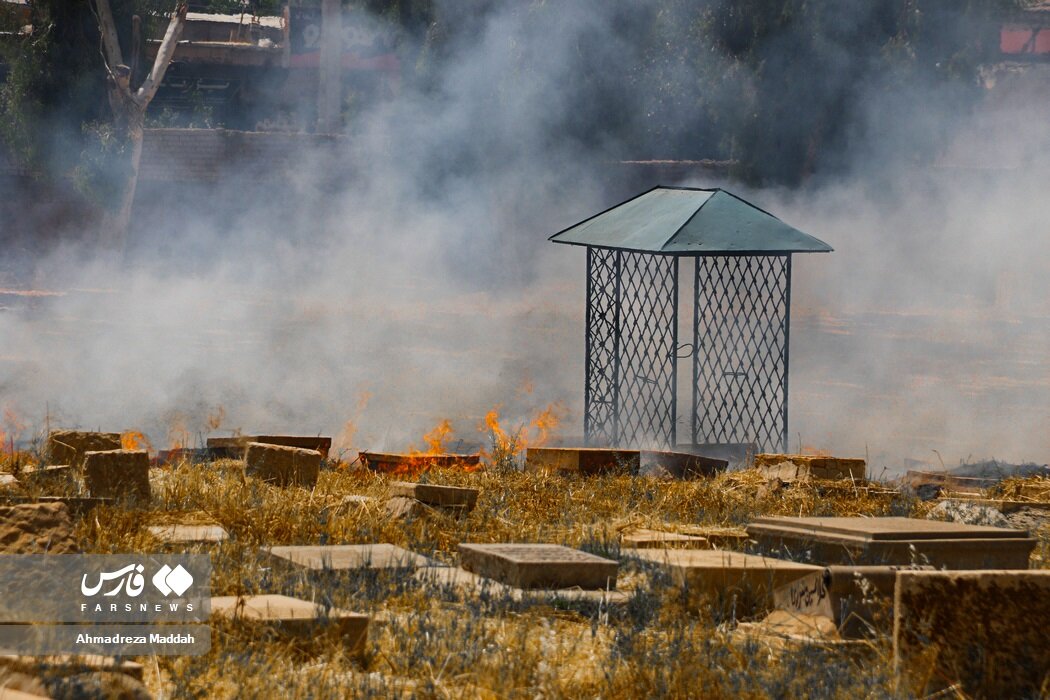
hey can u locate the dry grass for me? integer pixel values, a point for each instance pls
(426, 641)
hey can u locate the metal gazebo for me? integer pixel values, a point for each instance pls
(740, 330)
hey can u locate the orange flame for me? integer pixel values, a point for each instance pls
(535, 433)
(134, 440)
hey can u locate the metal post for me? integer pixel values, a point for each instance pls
(618, 267)
(674, 359)
(787, 343)
(587, 352)
(696, 351)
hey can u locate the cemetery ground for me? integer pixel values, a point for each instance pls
(429, 638)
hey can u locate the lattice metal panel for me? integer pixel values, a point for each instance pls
(740, 367)
(603, 323)
(632, 305)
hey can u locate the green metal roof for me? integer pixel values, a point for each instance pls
(687, 221)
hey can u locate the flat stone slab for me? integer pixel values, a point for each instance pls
(296, 616)
(455, 577)
(404, 464)
(283, 466)
(643, 538)
(436, 495)
(789, 468)
(345, 557)
(117, 474)
(68, 663)
(894, 541)
(721, 574)
(539, 566)
(36, 528)
(985, 630)
(77, 505)
(69, 446)
(189, 534)
(595, 460)
(234, 447)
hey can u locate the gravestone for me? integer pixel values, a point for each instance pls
(723, 575)
(294, 616)
(893, 541)
(36, 528)
(445, 577)
(539, 565)
(69, 446)
(182, 533)
(436, 495)
(987, 631)
(344, 557)
(791, 468)
(593, 460)
(49, 476)
(642, 538)
(283, 466)
(858, 599)
(117, 474)
(234, 447)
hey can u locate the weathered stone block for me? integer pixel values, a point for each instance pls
(49, 477)
(858, 599)
(893, 542)
(117, 474)
(539, 565)
(69, 446)
(436, 495)
(36, 528)
(297, 617)
(234, 447)
(344, 557)
(284, 466)
(596, 460)
(723, 575)
(643, 538)
(445, 577)
(790, 468)
(988, 631)
(181, 533)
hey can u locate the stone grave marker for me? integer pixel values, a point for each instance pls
(185, 533)
(858, 599)
(234, 447)
(50, 476)
(36, 528)
(470, 583)
(436, 495)
(69, 446)
(117, 474)
(344, 557)
(643, 538)
(893, 541)
(988, 631)
(597, 460)
(791, 468)
(294, 616)
(283, 466)
(722, 575)
(539, 565)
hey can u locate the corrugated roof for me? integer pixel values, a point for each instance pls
(690, 221)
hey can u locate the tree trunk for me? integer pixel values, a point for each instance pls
(330, 75)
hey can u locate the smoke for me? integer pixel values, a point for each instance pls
(409, 263)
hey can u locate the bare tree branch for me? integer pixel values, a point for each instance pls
(108, 28)
(160, 64)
